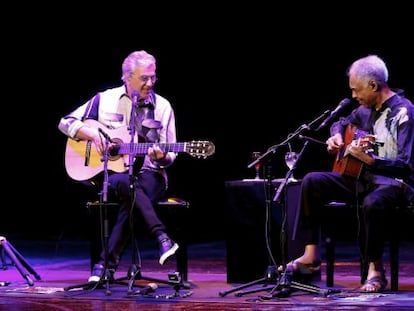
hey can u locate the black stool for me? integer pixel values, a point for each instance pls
(174, 212)
(394, 243)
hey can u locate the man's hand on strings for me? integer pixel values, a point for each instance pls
(335, 143)
(156, 153)
(358, 149)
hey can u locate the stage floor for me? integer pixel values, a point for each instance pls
(63, 265)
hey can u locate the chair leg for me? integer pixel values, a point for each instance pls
(363, 264)
(176, 210)
(182, 261)
(394, 258)
(330, 261)
(363, 269)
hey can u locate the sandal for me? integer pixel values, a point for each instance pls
(375, 284)
(305, 268)
(306, 272)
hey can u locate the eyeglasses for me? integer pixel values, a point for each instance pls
(145, 79)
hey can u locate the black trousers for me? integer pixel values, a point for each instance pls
(375, 202)
(148, 188)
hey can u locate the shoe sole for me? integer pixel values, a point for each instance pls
(168, 253)
(94, 278)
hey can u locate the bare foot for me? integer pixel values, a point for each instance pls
(374, 284)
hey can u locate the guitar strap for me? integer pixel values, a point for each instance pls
(147, 127)
(91, 111)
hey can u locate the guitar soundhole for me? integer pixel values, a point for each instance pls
(114, 152)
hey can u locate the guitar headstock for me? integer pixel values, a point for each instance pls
(200, 148)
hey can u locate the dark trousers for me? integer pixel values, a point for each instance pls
(319, 188)
(148, 187)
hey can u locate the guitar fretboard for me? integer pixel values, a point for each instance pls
(142, 148)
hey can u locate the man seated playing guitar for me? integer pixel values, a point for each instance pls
(133, 104)
(384, 181)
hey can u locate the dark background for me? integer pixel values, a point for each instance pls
(244, 77)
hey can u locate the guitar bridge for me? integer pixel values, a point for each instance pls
(87, 153)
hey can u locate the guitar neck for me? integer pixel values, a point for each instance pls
(142, 148)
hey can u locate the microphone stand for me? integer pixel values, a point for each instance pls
(298, 131)
(133, 270)
(284, 287)
(104, 195)
(291, 136)
(103, 212)
(283, 283)
(271, 274)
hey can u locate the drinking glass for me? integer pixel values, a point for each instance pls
(290, 159)
(255, 156)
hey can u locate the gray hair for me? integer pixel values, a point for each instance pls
(370, 67)
(134, 60)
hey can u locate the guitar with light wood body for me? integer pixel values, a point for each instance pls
(83, 161)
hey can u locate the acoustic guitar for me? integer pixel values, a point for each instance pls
(345, 163)
(82, 160)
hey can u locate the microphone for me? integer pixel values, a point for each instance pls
(344, 103)
(135, 97)
(150, 288)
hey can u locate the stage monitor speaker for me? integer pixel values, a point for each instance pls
(246, 228)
